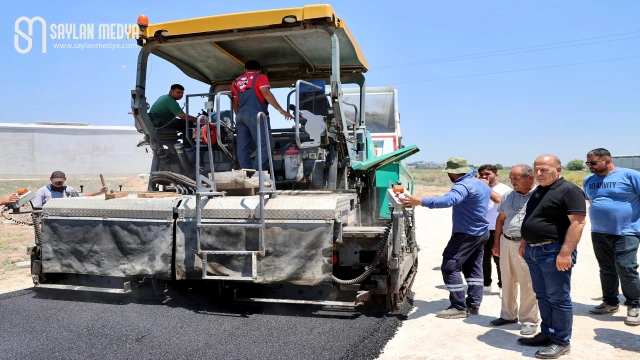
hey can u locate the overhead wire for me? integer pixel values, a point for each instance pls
(513, 50)
(516, 13)
(517, 70)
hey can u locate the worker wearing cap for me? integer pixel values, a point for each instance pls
(469, 198)
(57, 189)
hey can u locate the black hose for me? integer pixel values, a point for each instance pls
(369, 269)
(36, 228)
(5, 209)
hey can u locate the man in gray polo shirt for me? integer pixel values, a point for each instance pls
(57, 189)
(507, 242)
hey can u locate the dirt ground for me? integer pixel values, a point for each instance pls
(430, 190)
(423, 336)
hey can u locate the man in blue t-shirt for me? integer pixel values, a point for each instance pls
(614, 194)
(469, 198)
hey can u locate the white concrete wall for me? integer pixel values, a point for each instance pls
(627, 161)
(30, 149)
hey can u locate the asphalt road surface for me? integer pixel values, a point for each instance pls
(55, 325)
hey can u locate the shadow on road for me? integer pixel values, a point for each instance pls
(424, 308)
(484, 321)
(507, 341)
(619, 339)
(583, 310)
(209, 304)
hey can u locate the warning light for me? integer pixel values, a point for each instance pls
(143, 20)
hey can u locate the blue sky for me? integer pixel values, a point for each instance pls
(460, 94)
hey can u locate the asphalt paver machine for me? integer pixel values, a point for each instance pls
(321, 225)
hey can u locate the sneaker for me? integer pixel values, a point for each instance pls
(633, 316)
(452, 313)
(528, 329)
(604, 308)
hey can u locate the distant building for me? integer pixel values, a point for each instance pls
(627, 161)
(75, 148)
(426, 165)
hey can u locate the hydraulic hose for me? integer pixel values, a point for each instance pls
(376, 259)
(5, 209)
(36, 228)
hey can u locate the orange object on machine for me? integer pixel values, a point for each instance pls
(22, 191)
(206, 135)
(398, 189)
(143, 20)
(211, 134)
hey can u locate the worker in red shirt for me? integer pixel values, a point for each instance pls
(252, 95)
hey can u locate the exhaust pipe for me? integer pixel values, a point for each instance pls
(185, 164)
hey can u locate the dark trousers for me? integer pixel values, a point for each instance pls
(463, 254)
(486, 261)
(617, 257)
(247, 137)
(553, 291)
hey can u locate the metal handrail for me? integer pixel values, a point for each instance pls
(261, 179)
(355, 108)
(219, 123)
(297, 111)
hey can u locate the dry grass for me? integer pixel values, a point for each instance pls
(91, 184)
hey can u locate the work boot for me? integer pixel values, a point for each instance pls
(604, 308)
(539, 340)
(528, 329)
(553, 351)
(473, 310)
(452, 313)
(501, 321)
(633, 316)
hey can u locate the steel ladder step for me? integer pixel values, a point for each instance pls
(125, 289)
(240, 225)
(254, 265)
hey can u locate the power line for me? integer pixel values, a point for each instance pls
(513, 71)
(500, 7)
(507, 51)
(517, 13)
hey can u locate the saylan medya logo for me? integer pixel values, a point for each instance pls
(70, 31)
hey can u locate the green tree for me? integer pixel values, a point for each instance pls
(500, 167)
(575, 165)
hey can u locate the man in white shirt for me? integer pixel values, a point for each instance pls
(489, 174)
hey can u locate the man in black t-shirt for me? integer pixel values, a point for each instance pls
(551, 229)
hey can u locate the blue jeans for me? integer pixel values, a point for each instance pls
(617, 257)
(246, 137)
(553, 290)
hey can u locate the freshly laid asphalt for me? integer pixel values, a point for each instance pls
(67, 325)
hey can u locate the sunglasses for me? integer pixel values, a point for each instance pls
(592, 163)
